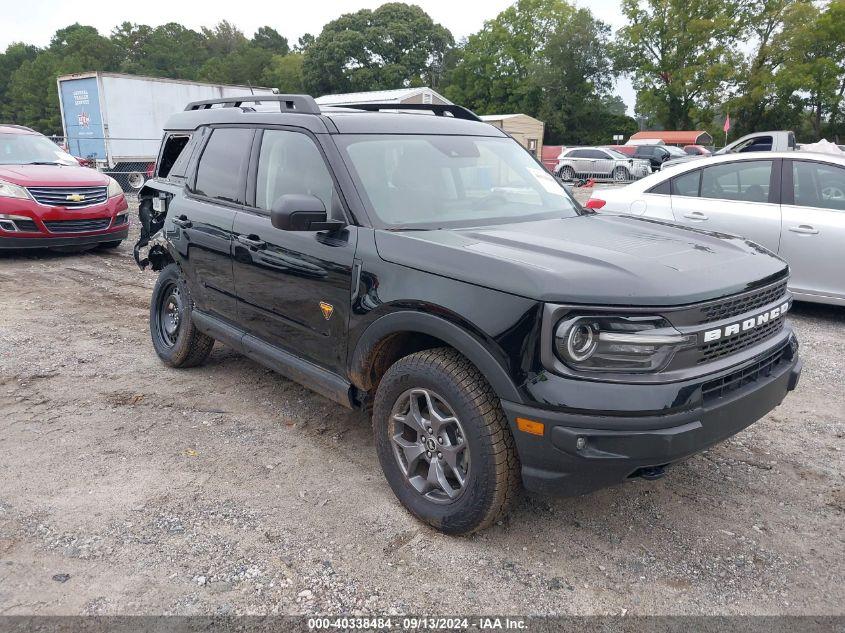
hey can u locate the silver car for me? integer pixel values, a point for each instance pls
(599, 162)
(792, 203)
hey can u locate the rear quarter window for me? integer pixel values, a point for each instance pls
(174, 156)
(222, 167)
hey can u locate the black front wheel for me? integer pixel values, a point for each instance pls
(444, 443)
(175, 337)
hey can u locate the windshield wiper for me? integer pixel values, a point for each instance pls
(44, 162)
(412, 228)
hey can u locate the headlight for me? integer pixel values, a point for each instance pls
(11, 190)
(633, 344)
(114, 188)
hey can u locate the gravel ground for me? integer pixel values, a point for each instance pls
(130, 488)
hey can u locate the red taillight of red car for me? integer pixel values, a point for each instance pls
(151, 170)
(595, 203)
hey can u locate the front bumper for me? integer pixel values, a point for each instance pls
(35, 232)
(579, 453)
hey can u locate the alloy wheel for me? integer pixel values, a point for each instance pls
(430, 445)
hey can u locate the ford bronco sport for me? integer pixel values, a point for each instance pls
(424, 267)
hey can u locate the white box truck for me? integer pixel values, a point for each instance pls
(117, 120)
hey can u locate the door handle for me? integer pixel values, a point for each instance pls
(253, 241)
(182, 221)
(695, 215)
(804, 229)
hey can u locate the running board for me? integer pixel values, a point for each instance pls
(307, 374)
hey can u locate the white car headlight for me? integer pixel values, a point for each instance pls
(114, 188)
(11, 190)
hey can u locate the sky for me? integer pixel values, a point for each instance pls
(35, 21)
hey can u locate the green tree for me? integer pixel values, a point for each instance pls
(16, 54)
(271, 40)
(547, 59)
(812, 46)
(32, 95)
(392, 46)
(682, 55)
(285, 73)
(171, 50)
(496, 67)
(758, 104)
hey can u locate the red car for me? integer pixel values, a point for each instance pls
(697, 150)
(47, 200)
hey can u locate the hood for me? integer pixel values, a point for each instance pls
(591, 259)
(52, 176)
(682, 159)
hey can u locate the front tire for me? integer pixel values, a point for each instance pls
(567, 173)
(444, 443)
(621, 174)
(175, 337)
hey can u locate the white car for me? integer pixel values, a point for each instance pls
(791, 203)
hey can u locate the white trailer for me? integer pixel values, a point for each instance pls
(117, 120)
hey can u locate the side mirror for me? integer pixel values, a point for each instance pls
(298, 212)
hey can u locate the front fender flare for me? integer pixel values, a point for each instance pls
(448, 332)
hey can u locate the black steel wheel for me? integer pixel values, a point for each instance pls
(175, 338)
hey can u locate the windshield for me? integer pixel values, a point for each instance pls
(426, 182)
(675, 151)
(29, 149)
(615, 153)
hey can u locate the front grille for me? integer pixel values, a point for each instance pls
(737, 342)
(745, 376)
(58, 196)
(740, 304)
(78, 226)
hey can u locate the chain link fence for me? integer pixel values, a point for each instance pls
(131, 174)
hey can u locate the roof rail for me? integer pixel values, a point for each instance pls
(439, 109)
(302, 104)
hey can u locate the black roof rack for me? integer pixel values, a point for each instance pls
(439, 109)
(302, 104)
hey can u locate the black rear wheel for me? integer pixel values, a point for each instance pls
(175, 338)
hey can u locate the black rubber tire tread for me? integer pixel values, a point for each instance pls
(192, 346)
(501, 474)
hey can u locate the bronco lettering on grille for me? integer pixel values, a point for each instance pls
(747, 324)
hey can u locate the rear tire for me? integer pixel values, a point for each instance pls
(450, 458)
(175, 337)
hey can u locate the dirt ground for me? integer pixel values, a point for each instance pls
(130, 488)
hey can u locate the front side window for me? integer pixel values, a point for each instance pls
(290, 163)
(747, 181)
(818, 185)
(686, 184)
(438, 181)
(223, 164)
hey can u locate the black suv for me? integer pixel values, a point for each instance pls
(426, 268)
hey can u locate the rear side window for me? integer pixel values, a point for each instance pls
(224, 160)
(747, 181)
(819, 185)
(686, 184)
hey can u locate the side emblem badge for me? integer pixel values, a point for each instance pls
(327, 309)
